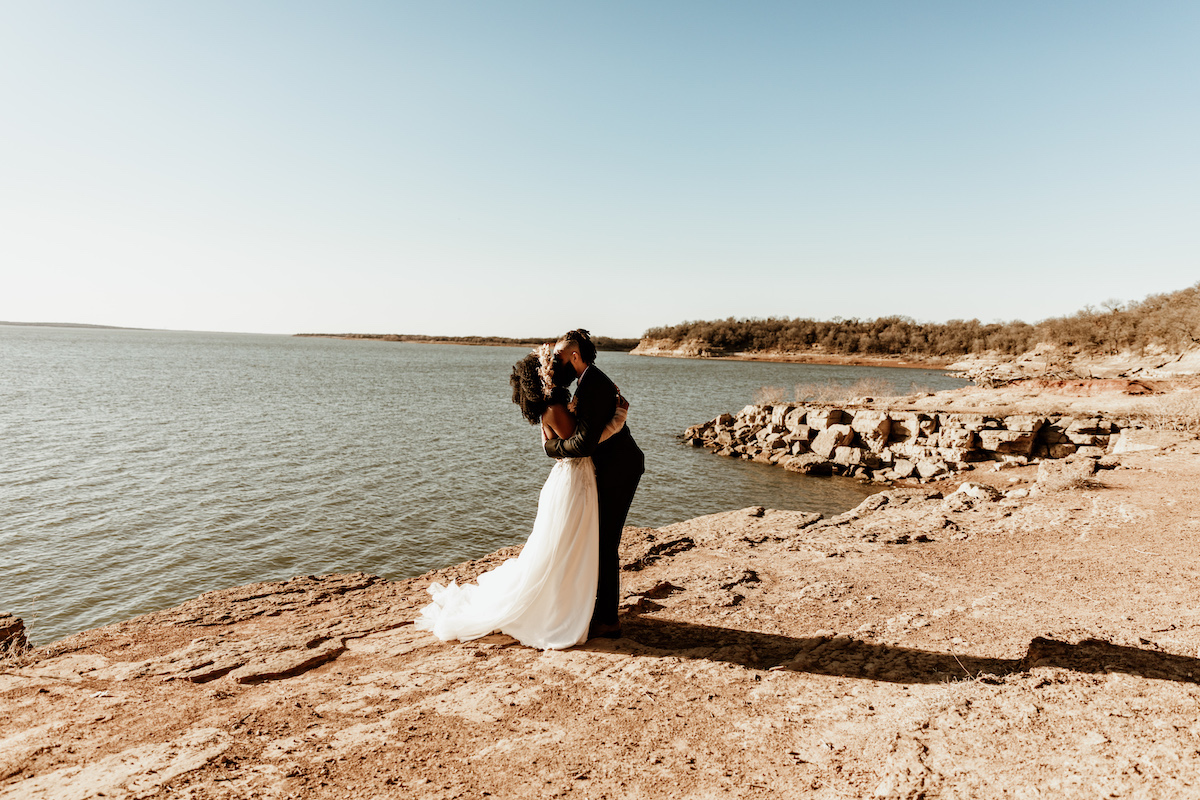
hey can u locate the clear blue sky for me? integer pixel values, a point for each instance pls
(521, 168)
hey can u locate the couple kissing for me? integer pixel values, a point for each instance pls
(564, 587)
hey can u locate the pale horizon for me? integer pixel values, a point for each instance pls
(523, 169)
(547, 336)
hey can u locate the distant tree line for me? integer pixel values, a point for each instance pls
(601, 342)
(1170, 321)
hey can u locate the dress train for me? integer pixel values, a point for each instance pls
(545, 596)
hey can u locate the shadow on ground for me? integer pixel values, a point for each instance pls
(852, 658)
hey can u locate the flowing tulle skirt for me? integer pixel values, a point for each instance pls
(544, 597)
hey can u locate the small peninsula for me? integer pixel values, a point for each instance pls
(1117, 340)
(1153, 337)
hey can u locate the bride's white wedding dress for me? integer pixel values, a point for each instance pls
(545, 596)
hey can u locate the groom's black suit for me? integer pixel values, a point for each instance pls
(619, 466)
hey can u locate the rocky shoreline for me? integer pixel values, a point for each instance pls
(886, 446)
(1013, 635)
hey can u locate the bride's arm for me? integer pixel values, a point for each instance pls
(557, 423)
(618, 421)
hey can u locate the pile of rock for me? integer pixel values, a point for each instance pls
(891, 445)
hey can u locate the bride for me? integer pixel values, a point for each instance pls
(545, 596)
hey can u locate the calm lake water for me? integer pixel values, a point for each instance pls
(141, 468)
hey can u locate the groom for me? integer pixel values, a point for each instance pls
(618, 461)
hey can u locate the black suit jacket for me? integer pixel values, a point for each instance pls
(596, 402)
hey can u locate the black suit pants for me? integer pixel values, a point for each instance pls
(615, 495)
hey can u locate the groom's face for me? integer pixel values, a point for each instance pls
(567, 357)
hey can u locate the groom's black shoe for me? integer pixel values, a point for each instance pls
(612, 631)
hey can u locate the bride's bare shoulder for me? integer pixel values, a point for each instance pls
(556, 413)
(559, 420)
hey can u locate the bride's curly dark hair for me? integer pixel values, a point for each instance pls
(528, 390)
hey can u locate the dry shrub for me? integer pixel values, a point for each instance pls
(872, 387)
(770, 396)
(1178, 411)
(833, 392)
(14, 655)
(817, 392)
(15, 651)
(1067, 483)
(1064, 475)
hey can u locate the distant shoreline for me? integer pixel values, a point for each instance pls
(693, 350)
(602, 342)
(72, 325)
(634, 347)
(804, 358)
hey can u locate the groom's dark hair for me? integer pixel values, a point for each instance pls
(583, 340)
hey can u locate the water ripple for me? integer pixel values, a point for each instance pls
(142, 468)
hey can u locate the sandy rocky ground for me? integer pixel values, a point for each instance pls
(928, 644)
